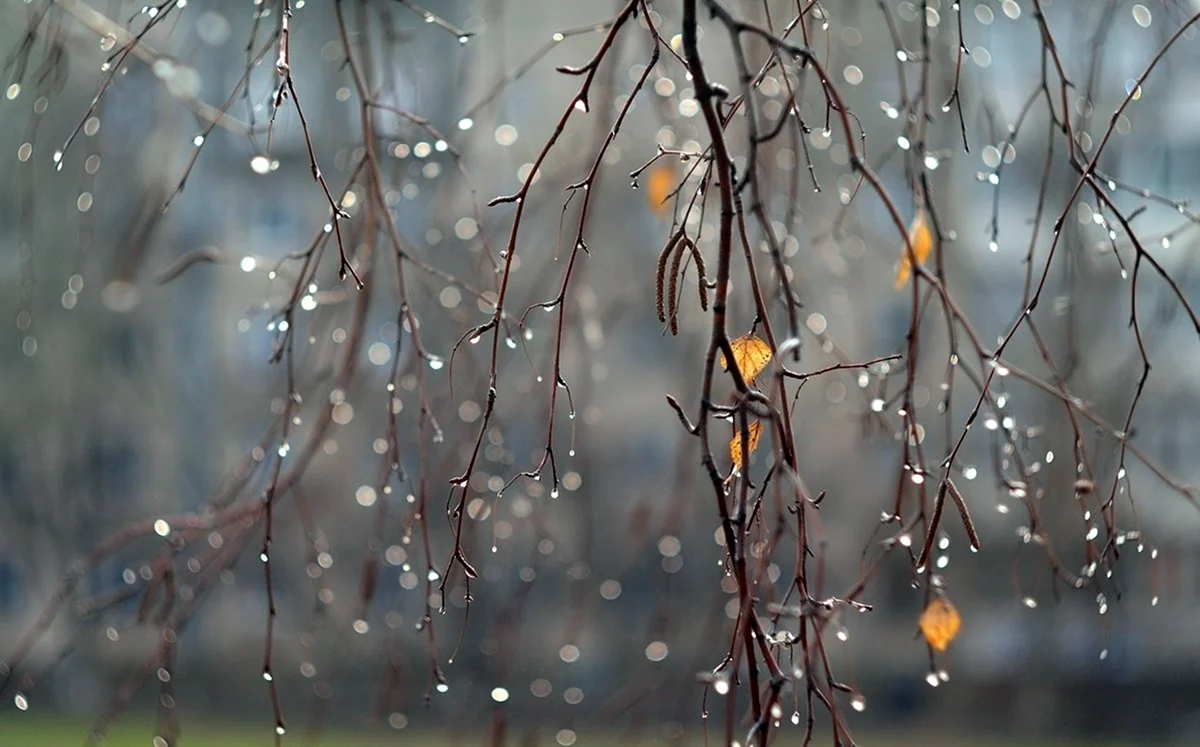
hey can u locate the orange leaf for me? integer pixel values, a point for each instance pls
(940, 623)
(735, 446)
(752, 356)
(660, 183)
(921, 239)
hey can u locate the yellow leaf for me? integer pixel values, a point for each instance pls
(735, 446)
(940, 623)
(660, 183)
(921, 239)
(752, 356)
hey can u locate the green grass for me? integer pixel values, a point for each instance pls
(31, 730)
(35, 731)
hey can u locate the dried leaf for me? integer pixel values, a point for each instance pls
(921, 239)
(940, 623)
(735, 446)
(660, 183)
(752, 356)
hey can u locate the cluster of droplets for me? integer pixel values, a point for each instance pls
(936, 677)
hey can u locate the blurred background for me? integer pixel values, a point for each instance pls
(138, 383)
